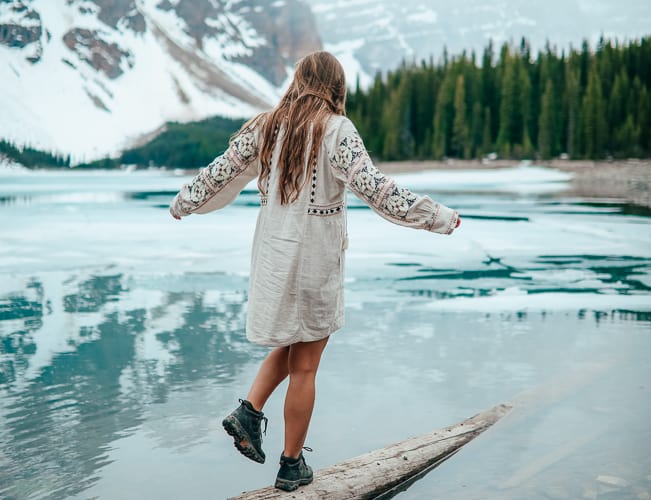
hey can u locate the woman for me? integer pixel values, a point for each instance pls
(305, 152)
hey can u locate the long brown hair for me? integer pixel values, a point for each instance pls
(317, 91)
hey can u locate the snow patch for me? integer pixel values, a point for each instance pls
(345, 53)
(424, 16)
(521, 179)
(512, 300)
(9, 167)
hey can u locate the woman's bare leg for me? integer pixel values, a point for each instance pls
(304, 358)
(272, 372)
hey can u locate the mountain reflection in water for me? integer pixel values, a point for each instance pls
(62, 409)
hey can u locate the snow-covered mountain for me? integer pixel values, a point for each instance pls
(88, 77)
(371, 35)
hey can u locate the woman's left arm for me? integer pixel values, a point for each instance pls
(218, 184)
(353, 166)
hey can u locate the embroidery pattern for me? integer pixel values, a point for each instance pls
(313, 193)
(222, 170)
(368, 182)
(399, 202)
(244, 146)
(197, 192)
(349, 150)
(328, 210)
(434, 217)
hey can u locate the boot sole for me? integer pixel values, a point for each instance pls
(241, 439)
(287, 485)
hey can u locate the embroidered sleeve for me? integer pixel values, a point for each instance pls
(218, 184)
(352, 165)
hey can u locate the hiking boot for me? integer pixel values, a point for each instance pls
(294, 472)
(245, 424)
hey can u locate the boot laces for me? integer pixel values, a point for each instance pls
(266, 420)
(301, 458)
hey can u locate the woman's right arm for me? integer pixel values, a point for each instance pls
(352, 165)
(218, 184)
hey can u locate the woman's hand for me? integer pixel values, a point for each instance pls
(458, 222)
(173, 214)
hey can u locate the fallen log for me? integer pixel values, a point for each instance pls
(378, 472)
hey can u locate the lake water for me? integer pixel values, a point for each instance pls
(122, 340)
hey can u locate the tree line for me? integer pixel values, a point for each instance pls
(30, 157)
(185, 145)
(180, 145)
(583, 103)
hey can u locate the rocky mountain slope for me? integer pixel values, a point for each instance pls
(88, 77)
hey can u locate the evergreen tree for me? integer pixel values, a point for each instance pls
(489, 95)
(443, 116)
(372, 127)
(572, 92)
(524, 93)
(617, 111)
(487, 140)
(545, 132)
(584, 64)
(628, 136)
(398, 139)
(638, 110)
(508, 107)
(594, 120)
(644, 122)
(476, 124)
(460, 146)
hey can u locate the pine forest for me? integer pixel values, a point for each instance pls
(582, 103)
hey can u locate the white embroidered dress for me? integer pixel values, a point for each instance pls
(297, 262)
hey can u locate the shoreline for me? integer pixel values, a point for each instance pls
(628, 180)
(617, 180)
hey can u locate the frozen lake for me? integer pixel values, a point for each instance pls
(122, 340)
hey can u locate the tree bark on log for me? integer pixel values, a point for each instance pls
(373, 474)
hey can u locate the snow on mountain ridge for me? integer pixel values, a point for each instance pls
(108, 71)
(414, 30)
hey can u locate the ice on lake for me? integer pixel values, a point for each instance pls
(122, 339)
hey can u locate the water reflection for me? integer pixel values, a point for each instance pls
(616, 207)
(19, 306)
(59, 417)
(93, 294)
(621, 275)
(158, 198)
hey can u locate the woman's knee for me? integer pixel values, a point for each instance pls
(303, 365)
(304, 358)
(303, 371)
